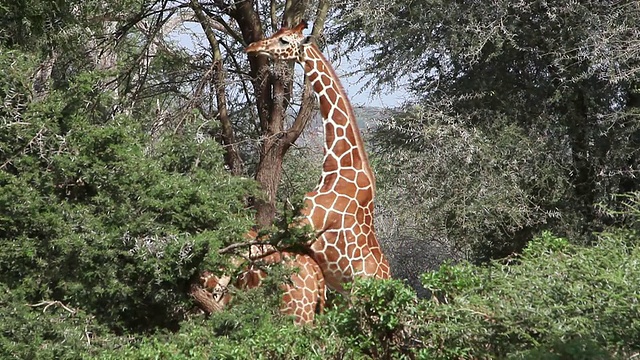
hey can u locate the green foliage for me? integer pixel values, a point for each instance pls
(525, 116)
(556, 298)
(95, 219)
(450, 280)
(376, 318)
(251, 329)
(301, 171)
(472, 186)
(106, 216)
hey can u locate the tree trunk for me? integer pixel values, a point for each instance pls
(273, 90)
(583, 178)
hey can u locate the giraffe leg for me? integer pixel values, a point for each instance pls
(305, 295)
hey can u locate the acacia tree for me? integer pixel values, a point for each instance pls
(247, 106)
(525, 118)
(109, 170)
(251, 106)
(272, 87)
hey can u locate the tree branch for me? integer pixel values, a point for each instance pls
(232, 157)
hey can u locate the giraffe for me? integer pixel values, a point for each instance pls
(302, 297)
(340, 209)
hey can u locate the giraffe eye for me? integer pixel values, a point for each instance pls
(283, 41)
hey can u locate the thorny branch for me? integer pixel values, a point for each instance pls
(48, 303)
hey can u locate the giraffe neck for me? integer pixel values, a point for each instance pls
(344, 147)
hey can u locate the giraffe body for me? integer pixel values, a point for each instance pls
(340, 209)
(302, 297)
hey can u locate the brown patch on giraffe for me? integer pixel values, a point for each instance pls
(370, 266)
(330, 164)
(351, 134)
(343, 263)
(344, 187)
(318, 87)
(343, 106)
(307, 293)
(351, 247)
(332, 95)
(364, 195)
(346, 160)
(348, 174)
(325, 200)
(287, 299)
(326, 81)
(357, 229)
(362, 180)
(340, 244)
(322, 68)
(360, 216)
(352, 208)
(348, 221)
(329, 131)
(318, 252)
(340, 146)
(328, 182)
(357, 265)
(331, 254)
(357, 160)
(318, 215)
(341, 203)
(340, 117)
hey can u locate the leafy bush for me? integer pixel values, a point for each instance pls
(251, 329)
(94, 218)
(554, 296)
(377, 319)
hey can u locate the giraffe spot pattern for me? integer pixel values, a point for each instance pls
(346, 246)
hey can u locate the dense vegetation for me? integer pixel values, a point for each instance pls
(525, 116)
(126, 163)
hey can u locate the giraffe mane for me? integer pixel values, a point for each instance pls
(350, 112)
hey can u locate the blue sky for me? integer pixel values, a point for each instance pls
(359, 94)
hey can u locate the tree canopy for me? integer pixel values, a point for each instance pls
(525, 114)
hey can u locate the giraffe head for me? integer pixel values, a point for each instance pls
(286, 44)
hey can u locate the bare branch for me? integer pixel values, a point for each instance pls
(235, 246)
(232, 156)
(48, 303)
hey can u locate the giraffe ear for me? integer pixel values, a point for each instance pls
(301, 26)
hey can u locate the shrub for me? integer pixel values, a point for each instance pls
(555, 296)
(377, 319)
(94, 218)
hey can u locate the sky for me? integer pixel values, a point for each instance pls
(366, 96)
(346, 68)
